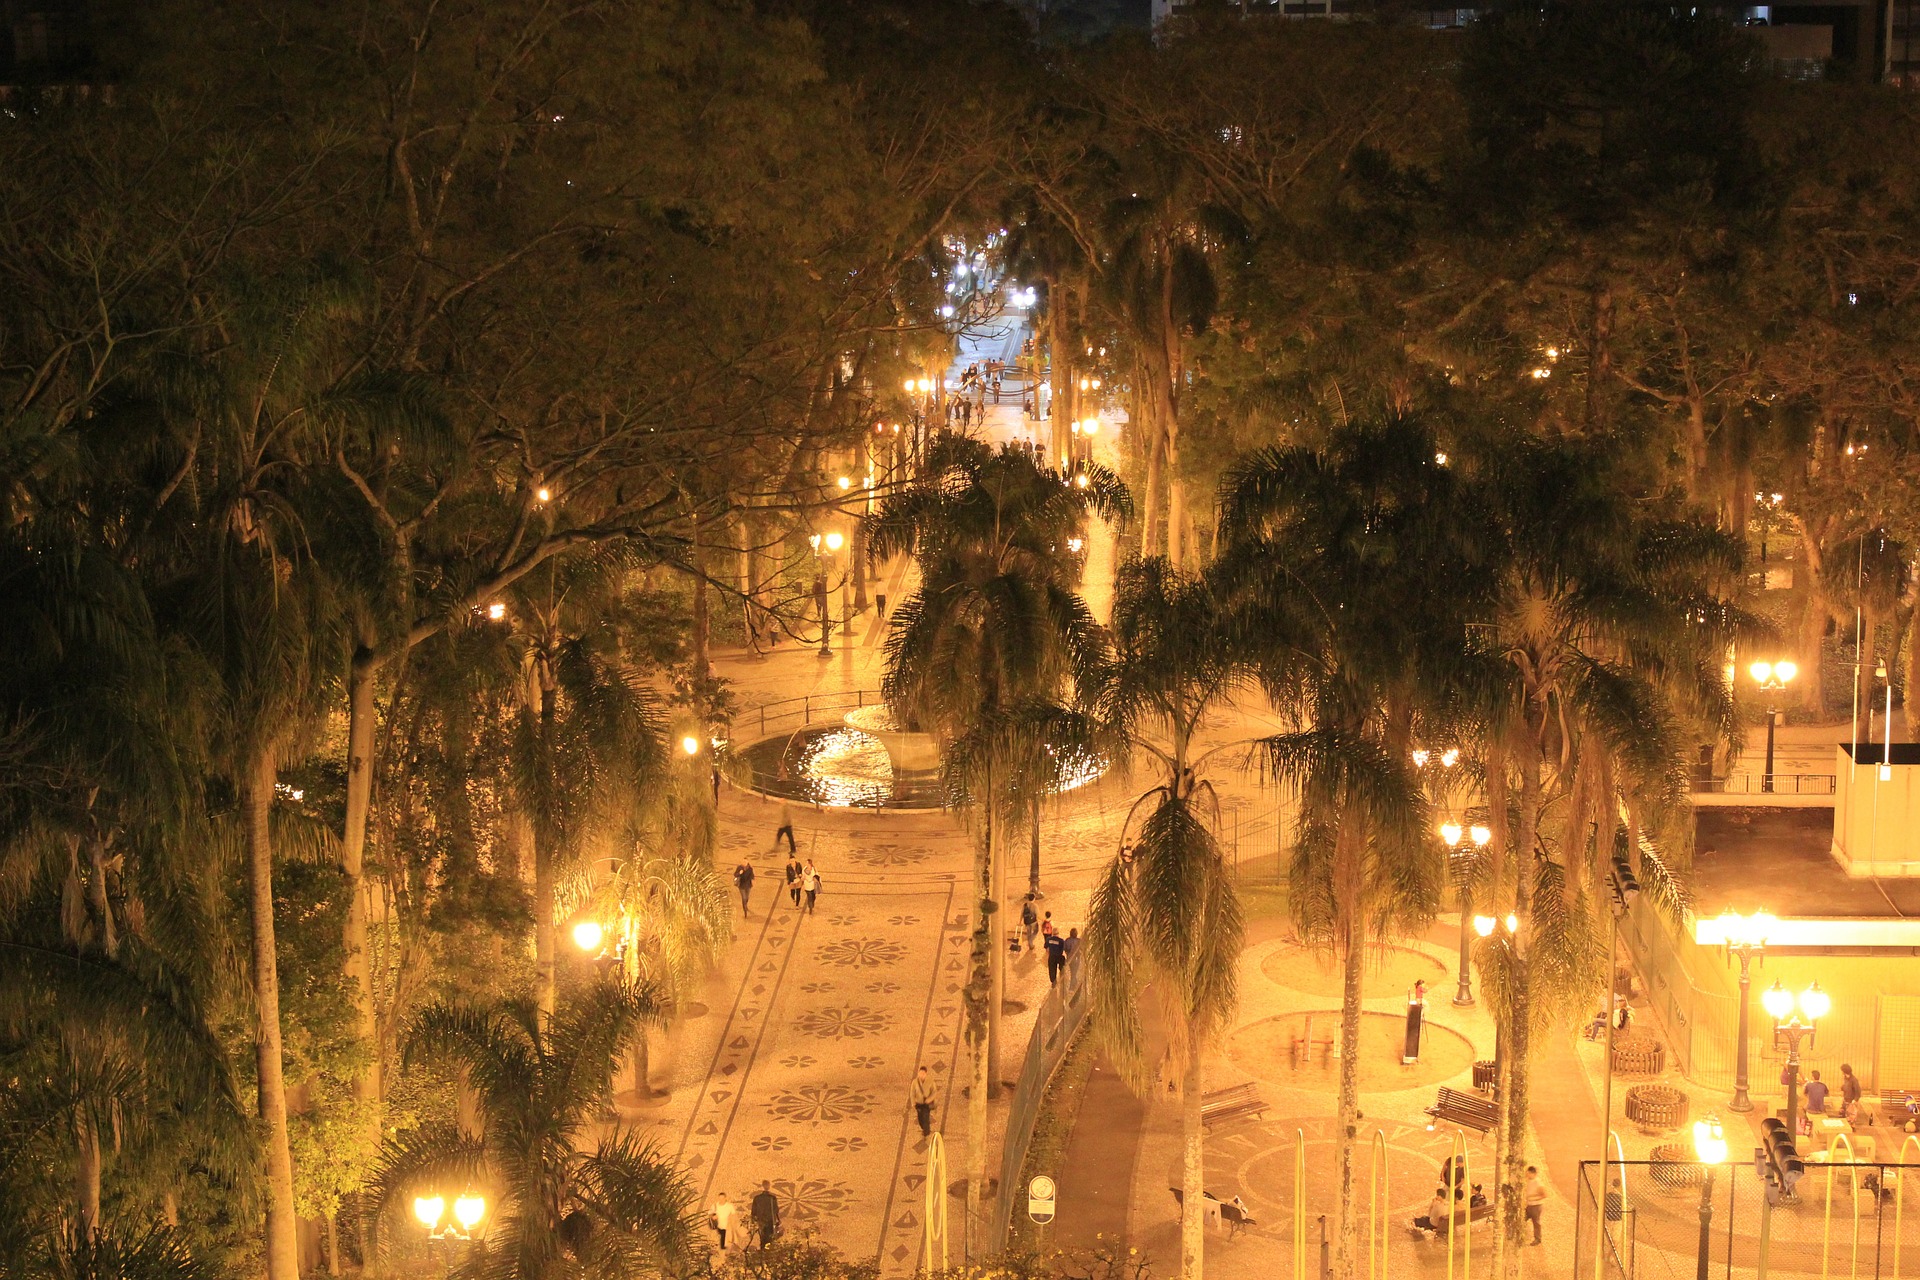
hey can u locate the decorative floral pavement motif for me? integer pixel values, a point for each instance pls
(861, 953)
(816, 988)
(888, 855)
(820, 1104)
(772, 1143)
(847, 1144)
(843, 920)
(797, 1061)
(903, 922)
(847, 1022)
(810, 1199)
(882, 987)
(866, 1062)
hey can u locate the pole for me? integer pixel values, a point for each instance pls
(1741, 1102)
(1793, 1085)
(1766, 779)
(1706, 1222)
(1463, 996)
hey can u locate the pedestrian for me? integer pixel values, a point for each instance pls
(1535, 1196)
(743, 881)
(794, 872)
(1029, 922)
(1849, 1091)
(922, 1095)
(716, 784)
(765, 1211)
(1046, 925)
(1069, 944)
(721, 1219)
(1816, 1096)
(785, 829)
(880, 605)
(811, 882)
(1056, 957)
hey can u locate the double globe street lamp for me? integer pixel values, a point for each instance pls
(1795, 1020)
(1744, 937)
(431, 1213)
(1710, 1145)
(1773, 678)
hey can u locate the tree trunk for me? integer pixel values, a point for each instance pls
(996, 948)
(1033, 854)
(642, 1065)
(1059, 368)
(702, 627)
(979, 991)
(1513, 1174)
(540, 702)
(282, 1252)
(333, 1244)
(361, 717)
(1149, 438)
(1347, 1111)
(857, 550)
(1193, 1163)
(1863, 675)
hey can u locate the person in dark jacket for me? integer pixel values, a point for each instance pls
(765, 1212)
(1056, 957)
(743, 881)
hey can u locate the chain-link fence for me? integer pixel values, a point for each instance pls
(1653, 1210)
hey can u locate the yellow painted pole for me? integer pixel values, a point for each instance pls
(1826, 1228)
(936, 1203)
(1900, 1197)
(1299, 1204)
(1458, 1151)
(1377, 1241)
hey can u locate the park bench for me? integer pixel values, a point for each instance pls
(1468, 1110)
(1233, 1212)
(1230, 1104)
(1475, 1213)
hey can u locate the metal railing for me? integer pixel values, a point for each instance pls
(1784, 784)
(1061, 1014)
(777, 715)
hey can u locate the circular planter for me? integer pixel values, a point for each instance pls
(1656, 1108)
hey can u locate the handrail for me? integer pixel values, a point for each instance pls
(1061, 1014)
(804, 705)
(1754, 784)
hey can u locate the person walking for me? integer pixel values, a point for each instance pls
(765, 1211)
(1535, 1196)
(1029, 921)
(1046, 925)
(743, 881)
(810, 881)
(922, 1095)
(722, 1219)
(1849, 1091)
(1069, 944)
(785, 829)
(1056, 957)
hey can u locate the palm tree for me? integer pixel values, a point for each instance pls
(1364, 551)
(995, 624)
(675, 917)
(1164, 916)
(1605, 663)
(1160, 280)
(558, 1207)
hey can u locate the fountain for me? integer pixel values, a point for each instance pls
(908, 749)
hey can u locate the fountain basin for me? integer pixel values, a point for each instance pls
(909, 750)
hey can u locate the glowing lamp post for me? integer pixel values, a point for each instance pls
(1746, 938)
(589, 936)
(431, 1213)
(1773, 678)
(1792, 1026)
(1710, 1145)
(1451, 832)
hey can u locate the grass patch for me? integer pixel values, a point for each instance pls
(1053, 1127)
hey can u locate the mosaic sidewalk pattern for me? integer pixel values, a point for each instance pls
(807, 1086)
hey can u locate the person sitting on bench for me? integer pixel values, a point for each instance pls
(1435, 1218)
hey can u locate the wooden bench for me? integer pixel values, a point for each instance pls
(1232, 1103)
(1233, 1213)
(1468, 1110)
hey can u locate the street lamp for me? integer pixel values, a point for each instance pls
(588, 935)
(1772, 677)
(431, 1213)
(1710, 1144)
(1746, 938)
(1463, 863)
(824, 546)
(1794, 1026)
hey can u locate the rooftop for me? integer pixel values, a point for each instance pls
(1781, 860)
